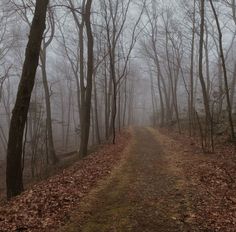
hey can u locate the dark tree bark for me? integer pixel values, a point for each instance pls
(43, 57)
(229, 108)
(191, 95)
(14, 179)
(51, 149)
(125, 104)
(86, 104)
(201, 77)
(232, 86)
(96, 117)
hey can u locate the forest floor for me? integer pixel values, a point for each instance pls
(151, 182)
(157, 188)
(47, 205)
(146, 192)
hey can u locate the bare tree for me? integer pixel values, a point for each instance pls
(19, 115)
(43, 59)
(208, 121)
(229, 109)
(86, 102)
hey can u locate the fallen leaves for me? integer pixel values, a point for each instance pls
(213, 180)
(48, 204)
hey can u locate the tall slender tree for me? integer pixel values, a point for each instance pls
(14, 179)
(86, 103)
(201, 77)
(222, 57)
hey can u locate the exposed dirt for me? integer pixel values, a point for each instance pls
(148, 192)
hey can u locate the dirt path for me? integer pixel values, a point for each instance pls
(147, 192)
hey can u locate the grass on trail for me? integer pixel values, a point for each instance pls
(146, 192)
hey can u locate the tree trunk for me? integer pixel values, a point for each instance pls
(52, 154)
(229, 108)
(68, 118)
(232, 86)
(208, 80)
(98, 137)
(14, 177)
(202, 81)
(125, 103)
(88, 94)
(191, 95)
(106, 103)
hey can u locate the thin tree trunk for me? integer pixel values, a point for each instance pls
(107, 105)
(119, 110)
(125, 103)
(208, 83)
(202, 81)
(52, 154)
(229, 108)
(68, 118)
(96, 111)
(232, 88)
(191, 95)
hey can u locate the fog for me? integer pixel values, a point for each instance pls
(154, 48)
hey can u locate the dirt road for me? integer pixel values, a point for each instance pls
(146, 193)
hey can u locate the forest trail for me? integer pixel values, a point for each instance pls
(147, 192)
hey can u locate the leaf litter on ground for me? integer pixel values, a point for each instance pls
(47, 205)
(213, 179)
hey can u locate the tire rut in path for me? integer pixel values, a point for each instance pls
(142, 195)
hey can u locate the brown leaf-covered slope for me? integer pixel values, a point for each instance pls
(213, 177)
(47, 205)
